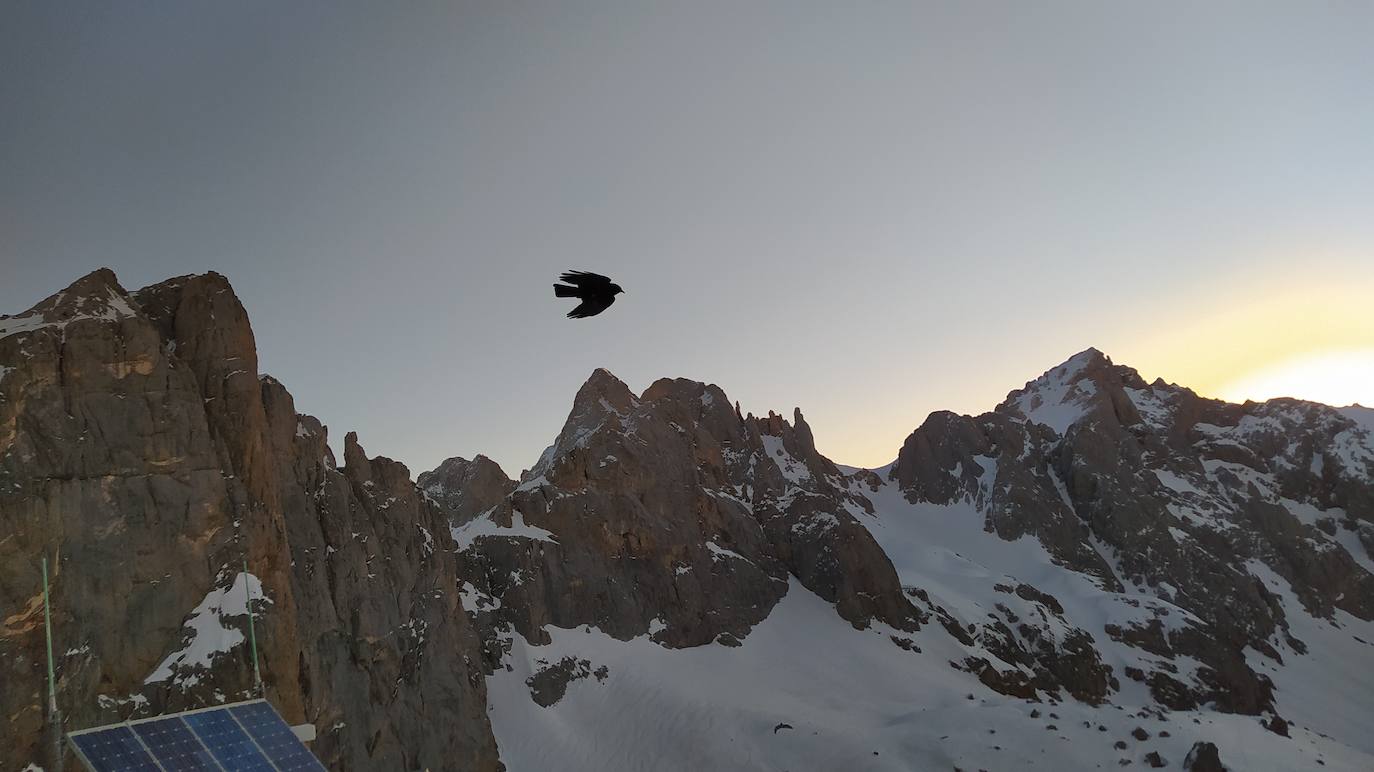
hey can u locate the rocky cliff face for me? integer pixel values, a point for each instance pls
(676, 584)
(141, 450)
(465, 489)
(670, 515)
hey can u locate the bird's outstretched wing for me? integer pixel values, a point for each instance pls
(591, 306)
(586, 280)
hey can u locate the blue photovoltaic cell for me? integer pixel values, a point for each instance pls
(250, 737)
(231, 747)
(275, 738)
(174, 747)
(114, 750)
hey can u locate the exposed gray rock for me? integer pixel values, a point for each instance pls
(465, 489)
(141, 450)
(550, 682)
(1203, 757)
(670, 514)
(1152, 488)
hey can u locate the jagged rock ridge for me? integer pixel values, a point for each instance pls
(1107, 549)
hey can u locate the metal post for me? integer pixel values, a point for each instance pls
(252, 637)
(54, 728)
(47, 629)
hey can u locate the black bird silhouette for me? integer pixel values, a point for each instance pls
(596, 291)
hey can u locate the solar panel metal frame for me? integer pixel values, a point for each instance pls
(80, 754)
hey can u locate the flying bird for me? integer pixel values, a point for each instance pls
(596, 292)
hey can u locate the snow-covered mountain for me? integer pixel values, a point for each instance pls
(1099, 572)
(1098, 555)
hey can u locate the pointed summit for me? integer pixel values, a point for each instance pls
(93, 283)
(464, 489)
(97, 295)
(356, 464)
(1083, 384)
(603, 399)
(602, 387)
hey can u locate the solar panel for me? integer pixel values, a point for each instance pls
(114, 750)
(231, 746)
(246, 737)
(275, 738)
(174, 747)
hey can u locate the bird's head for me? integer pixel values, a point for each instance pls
(616, 290)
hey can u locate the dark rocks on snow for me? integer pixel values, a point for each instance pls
(1203, 757)
(549, 684)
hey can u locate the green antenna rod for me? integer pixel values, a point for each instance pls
(252, 637)
(54, 729)
(47, 628)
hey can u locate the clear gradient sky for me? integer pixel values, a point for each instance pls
(870, 210)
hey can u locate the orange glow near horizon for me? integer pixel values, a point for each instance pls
(1336, 378)
(1287, 332)
(1301, 340)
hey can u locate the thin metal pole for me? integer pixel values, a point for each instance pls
(252, 637)
(47, 629)
(54, 728)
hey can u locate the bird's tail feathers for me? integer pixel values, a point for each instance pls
(564, 291)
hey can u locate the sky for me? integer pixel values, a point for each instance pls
(871, 211)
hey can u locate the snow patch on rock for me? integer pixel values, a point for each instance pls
(206, 634)
(483, 526)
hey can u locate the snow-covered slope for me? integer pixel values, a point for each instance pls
(1326, 693)
(807, 691)
(1364, 416)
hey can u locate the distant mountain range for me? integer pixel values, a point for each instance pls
(1099, 572)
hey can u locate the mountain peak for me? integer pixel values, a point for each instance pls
(1090, 358)
(98, 279)
(356, 464)
(1064, 394)
(603, 388)
(97, 295)
(464, 489)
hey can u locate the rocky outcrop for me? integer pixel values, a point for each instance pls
(668, 514)
(810, 512)
(952, 457)
(143, 453)
(1203, 757)
(465, 489)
